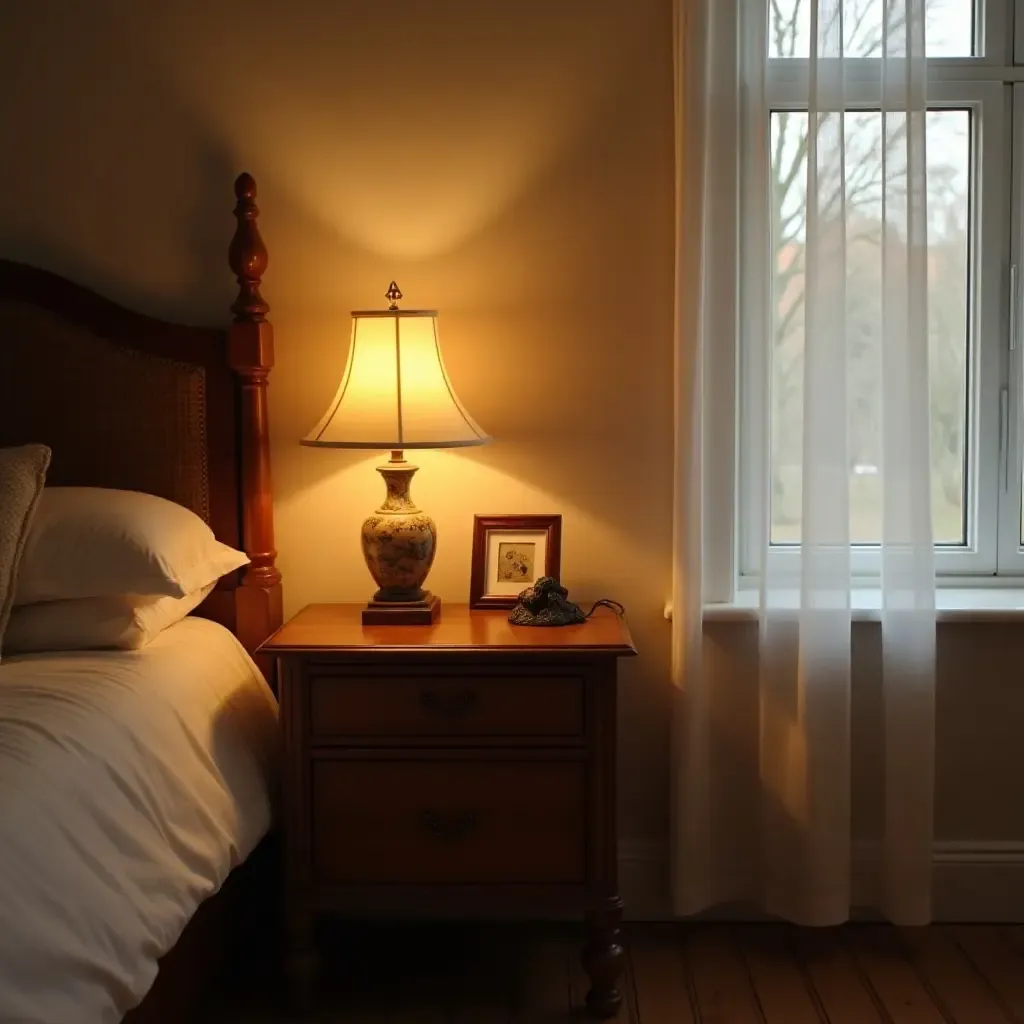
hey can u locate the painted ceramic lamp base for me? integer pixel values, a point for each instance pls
(399, 542)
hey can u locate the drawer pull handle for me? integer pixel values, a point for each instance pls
(449, 827)
(451, 705)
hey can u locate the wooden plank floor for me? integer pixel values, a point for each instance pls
(678, 974)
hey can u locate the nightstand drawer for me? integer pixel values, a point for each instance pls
(445, 705)
(457, 822)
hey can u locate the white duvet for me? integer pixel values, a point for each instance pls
(131, 783)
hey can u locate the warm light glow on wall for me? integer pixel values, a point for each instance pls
(406, 162)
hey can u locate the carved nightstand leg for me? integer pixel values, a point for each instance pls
(301, 959)
(603, 957)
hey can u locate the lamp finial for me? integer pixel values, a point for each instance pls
(393, 294)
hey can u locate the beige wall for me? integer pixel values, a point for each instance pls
(507, 163)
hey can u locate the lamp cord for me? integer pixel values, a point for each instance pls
(607, 602)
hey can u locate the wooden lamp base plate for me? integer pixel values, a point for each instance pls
(424, 612)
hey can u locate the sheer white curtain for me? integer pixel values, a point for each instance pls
(781, 835)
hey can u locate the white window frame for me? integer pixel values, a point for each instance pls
(1011, 551)
(988, 87)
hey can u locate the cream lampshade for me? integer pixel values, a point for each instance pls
(395, 394)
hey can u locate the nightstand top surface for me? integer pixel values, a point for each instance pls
(332, 627)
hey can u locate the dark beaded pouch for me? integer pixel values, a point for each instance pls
(547, 603)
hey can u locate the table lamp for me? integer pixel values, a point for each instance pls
(395, 394)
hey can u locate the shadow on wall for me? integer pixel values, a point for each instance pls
(406, 131)
(111, 181)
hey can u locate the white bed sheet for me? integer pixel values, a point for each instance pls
(131, 783)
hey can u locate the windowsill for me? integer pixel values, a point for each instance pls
(953, 604)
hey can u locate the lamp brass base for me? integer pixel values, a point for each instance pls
(424, 612)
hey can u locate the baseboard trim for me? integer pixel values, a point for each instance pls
(974, 880)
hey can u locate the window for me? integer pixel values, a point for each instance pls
(975, 151)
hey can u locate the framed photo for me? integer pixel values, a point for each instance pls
(510, 553)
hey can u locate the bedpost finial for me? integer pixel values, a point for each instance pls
(245, 186)
(247, 255)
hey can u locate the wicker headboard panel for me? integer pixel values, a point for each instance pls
(116, 411)
(128, 401)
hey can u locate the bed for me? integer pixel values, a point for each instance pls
(173, 745)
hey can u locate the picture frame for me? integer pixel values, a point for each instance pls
(510, 553)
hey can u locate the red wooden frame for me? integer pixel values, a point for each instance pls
(482, 525)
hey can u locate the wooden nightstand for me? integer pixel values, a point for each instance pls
(467, 766)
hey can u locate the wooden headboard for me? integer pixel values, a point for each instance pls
(126, 400)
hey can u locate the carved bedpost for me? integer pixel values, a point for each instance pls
(251, 353)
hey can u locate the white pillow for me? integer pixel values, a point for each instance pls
(99, 542)
(127, 621)
(22, 474)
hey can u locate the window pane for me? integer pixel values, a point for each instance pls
(949, 162)
(949, 27)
